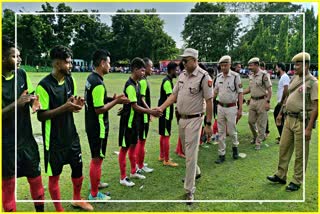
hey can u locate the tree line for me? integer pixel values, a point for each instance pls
(273, 38)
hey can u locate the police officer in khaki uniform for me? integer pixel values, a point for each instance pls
(260, 88)
(292, 133)
(193, 93)
(229, 88)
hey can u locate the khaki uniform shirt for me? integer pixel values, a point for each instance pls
(259, 83)
(228, 87)
(295, 99)
(190, 95)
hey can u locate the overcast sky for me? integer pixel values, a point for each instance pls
(173, 23)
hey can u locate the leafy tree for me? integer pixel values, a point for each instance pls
(141, 35)
(212, 35)
(8, 23)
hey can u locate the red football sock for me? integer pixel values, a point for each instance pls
(140, 153)
(8, 200)
(36, 189)
(132, 158)
(77, 184)
(122, 162)
(166, 147)
(161, 146)
(179, 148)
(215, 127)
(95, 175)
(55, 192)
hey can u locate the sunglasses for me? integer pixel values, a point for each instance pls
(185, 61)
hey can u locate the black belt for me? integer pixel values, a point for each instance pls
(227, 105)
(258, 98)
(184, 116)
(293, 114)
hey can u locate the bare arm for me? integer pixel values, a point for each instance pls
(144, 102)
(313, 115)
(169, 101)
(284, 94)
(209, 109)
(121, 99)
(140, 109)
(246, 91)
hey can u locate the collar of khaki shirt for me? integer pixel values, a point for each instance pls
(194, 73)
(228, 74)
(258, 73)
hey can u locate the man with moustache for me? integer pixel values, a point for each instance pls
(303, 85)
(193, 94)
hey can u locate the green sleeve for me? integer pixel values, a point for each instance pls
(43, 97)
(132, 94)
(98, 96)
(143, 87)
(167, 87)
(29, 85)
(74, 87)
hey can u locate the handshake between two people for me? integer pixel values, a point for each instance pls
(156, 112)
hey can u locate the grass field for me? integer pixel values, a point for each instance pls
(243, 179)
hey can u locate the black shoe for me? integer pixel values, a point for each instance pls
(292, 187)
(221, 159)
(190, 198)
(235, 153)
(276, 179)
(197, 177)
(253, 141)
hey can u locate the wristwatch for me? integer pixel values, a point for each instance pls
(208, 123)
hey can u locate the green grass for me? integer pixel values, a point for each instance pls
(243, 179)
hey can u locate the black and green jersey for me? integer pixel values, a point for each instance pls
(165, 91)
(60, 132)
(96, 97)
(24, 133)
(130, 120)
(145, 91)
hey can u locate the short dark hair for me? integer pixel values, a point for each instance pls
(137, 63)
(60, 52)
(203, 66)
(172, 66)
(210, 71)
(282, 66)
(262, 64)
(100, 55)
(7, 44)
(147, 60)
(181, 66)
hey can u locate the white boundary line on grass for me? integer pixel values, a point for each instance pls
(160, 13)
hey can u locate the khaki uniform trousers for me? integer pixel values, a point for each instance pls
(227, 118)
(189, 132)
(292, 139)
(258, 117)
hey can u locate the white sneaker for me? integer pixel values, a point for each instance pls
(147, 169)
(137, 175)
(126, 182)
(145, 164)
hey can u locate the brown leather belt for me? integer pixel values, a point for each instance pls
(258, 98)
(184, 116)
(227, 105)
